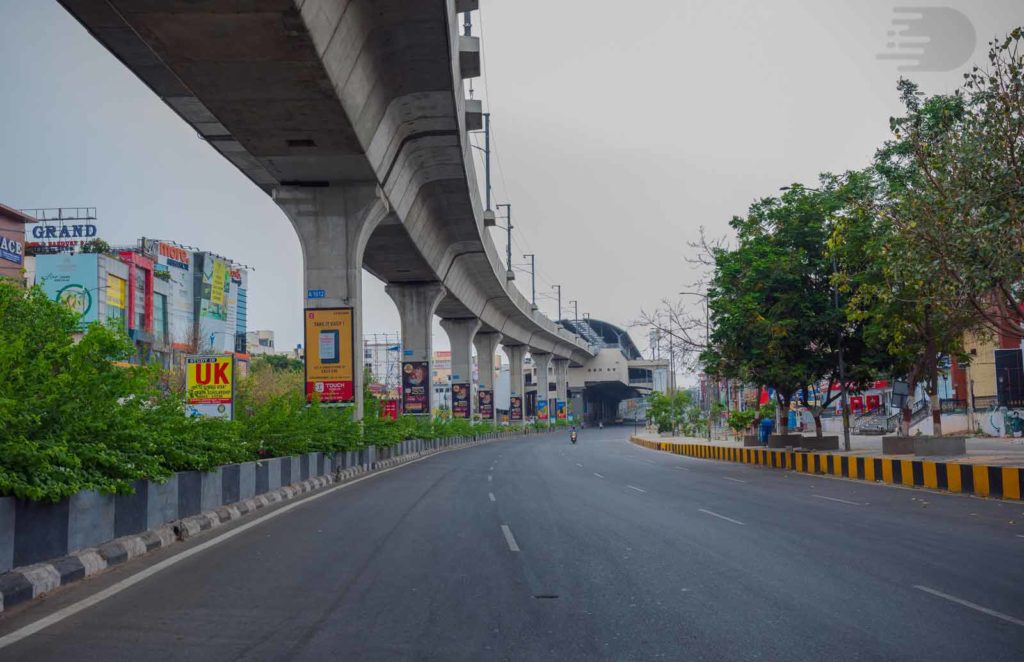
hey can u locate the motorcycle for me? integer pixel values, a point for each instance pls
(572, 436)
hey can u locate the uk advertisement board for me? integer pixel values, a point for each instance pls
(460, 400)
(210, 386)
(329, 369)
(415, 387)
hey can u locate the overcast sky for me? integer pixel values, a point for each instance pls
(619, 129)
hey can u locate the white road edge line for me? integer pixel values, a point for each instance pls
(128, 582)
(852, 503)
(636, 488)
(579, 465)
(735, 480)
(727, 519)
(490, 495)
(598, 475)
(971, 605)
(509, 538)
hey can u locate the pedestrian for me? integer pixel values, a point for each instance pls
(765, 429)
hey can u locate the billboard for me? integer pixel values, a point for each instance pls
(389, 409)
(486, 403)
(542, 410)
(73, 280)
(415, 387)
(215, 284)
(209, 386)
(515, 408)
(329, 369)
(176, 262)
(560, 410)
(460, 400)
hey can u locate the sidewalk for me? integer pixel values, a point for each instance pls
(980, 450)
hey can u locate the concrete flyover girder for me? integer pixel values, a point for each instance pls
(328, 93)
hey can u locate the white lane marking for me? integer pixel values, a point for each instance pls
(735, 480)
(971, 605)
(727, 519)
(1020, 535)
(598, 475)
(852, 503)
(636, 488)
(490, 478)
(490, 495)
(509, 538)
(579, 465)
(114, 589)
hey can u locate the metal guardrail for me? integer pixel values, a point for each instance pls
(952, 406)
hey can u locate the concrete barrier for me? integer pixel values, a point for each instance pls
(897, 445)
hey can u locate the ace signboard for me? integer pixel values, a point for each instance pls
(329, 371)
(210, 386)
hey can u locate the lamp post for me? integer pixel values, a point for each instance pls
(533, 278)
(575, 311)
(559, 289)
(707, 340)
(508, 230)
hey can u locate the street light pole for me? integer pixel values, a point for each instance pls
(508, 230)
(842, 370)
(533, 278)
(575, 311)
(559, 288)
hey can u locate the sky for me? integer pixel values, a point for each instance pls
(617, 135)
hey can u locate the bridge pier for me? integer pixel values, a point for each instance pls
(460, 335)
(541, 364)
(517, 388)
(486, 344)
(561, 382)
(334, 224)
(416, 304)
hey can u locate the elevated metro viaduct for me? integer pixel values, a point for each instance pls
(351, 115)
(616, 373)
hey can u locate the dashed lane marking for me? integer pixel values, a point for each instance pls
(727, 519)
(600, 476)
(971, 605)
(632, 487)
(490, 495)
(735, 480)
(852, 503)
(509, 538)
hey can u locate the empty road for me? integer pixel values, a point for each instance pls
(534, 549)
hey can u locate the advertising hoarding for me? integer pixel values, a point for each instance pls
(415, 387)
(542, 410)
(209, 386)
(560, 410)
(515, 408)
(73, 281)
(485, 397)
(176, 262)
(215, 284)
(389, 409)
(460, 400)
(329, 369)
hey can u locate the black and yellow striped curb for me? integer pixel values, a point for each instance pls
(978, 479)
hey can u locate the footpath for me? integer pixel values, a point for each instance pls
(991, 467)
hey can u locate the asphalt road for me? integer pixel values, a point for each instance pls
(533, 549)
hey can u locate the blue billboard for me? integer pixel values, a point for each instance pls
(73, 281)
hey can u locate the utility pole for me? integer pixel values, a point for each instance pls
(575, 311)
(559, 288)
(508, 230)
(487, 159)
(533, 279)
(842, 371)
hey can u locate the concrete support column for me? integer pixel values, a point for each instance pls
(460, 336)
(541, 363)
(416, 304)
(486, 344)
(334, 224)
(517, 388)
(561, 384)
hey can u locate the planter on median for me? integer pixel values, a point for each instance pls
(924, 445)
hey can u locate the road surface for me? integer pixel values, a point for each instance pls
(533, 549)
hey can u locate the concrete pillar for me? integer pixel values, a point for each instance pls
(460, 335)
(416, 304)
(486, 344)
(561, 384)
(517, 388)
(334, 223)
(541, 363)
